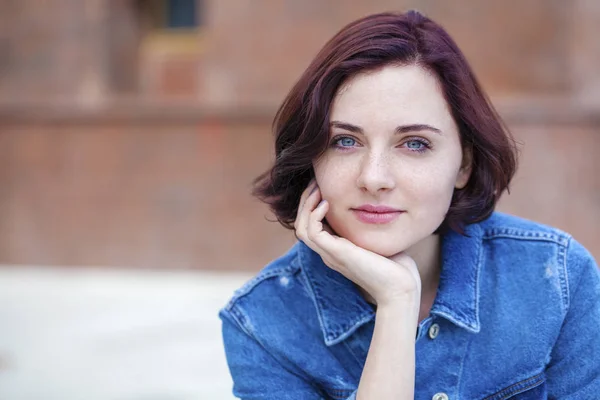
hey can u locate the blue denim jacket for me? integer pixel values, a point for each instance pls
(516, 315)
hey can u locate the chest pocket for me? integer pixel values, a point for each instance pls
(533, 388)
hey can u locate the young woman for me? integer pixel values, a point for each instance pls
(404, 282)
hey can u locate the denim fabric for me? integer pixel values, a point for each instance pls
(517, 314)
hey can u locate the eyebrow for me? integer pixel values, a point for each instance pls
(399, 129)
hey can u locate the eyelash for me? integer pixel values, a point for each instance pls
(426, 144)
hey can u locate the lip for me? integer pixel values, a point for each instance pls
(376, 214)
(377, 209)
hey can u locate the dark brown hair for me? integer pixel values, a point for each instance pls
(301, 125)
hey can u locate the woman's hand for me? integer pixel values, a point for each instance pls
(387, 280)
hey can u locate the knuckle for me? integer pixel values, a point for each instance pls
(301, 232)
(308, 233)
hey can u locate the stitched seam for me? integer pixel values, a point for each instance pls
(477, 277)
(250, 285)
(445, 311)
(462, 364)
(548, 232)
(523, 389)
(564, 278)
(352, 353)
(340, 393)
(508, 391)
(550, 239)
(305, 283)
(535, 381)
(311, 290)
(345, 333)
(324, 325)
(240, 318)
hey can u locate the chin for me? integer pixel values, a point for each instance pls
(383, 247)
(385, 242)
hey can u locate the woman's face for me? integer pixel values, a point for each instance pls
(393, 143)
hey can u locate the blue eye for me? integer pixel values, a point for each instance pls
(345, 142)
(415, 145)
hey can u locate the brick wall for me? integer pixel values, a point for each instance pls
(121, 146)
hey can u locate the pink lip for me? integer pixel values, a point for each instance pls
(377, 209)
(371, 214)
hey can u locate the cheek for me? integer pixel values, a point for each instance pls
(432, 192)
(333, 177)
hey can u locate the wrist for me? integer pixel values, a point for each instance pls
(401, 300)
(404, 306)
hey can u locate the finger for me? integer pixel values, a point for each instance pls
(334, 250)
(304, 214)
(317, 234)
(307, 191)
(315, 220)
(325, 239)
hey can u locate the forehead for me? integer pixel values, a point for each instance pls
(392, 94)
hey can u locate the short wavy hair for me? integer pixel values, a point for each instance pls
(301, 125)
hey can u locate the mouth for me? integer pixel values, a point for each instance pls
(376, 214)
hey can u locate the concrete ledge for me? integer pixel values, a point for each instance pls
(112, 334)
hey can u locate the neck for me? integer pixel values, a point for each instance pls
(427, 256)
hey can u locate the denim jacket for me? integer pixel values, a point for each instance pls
(516, 316)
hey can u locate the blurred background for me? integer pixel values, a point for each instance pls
(130, 132)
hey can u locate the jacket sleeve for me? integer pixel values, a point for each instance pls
(256, 373)
(574, 368)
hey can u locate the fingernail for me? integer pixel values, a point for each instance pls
(322, 202)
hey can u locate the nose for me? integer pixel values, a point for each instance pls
(375, 173)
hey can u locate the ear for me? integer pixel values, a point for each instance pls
(465, 169)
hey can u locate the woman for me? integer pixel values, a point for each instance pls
(404, 282)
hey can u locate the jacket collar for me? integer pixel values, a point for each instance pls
(457, 297)
(341, 308)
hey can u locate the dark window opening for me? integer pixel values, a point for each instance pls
(171, 14)
(182, 14)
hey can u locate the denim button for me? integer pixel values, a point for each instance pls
(434, 330)
(440, 396)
